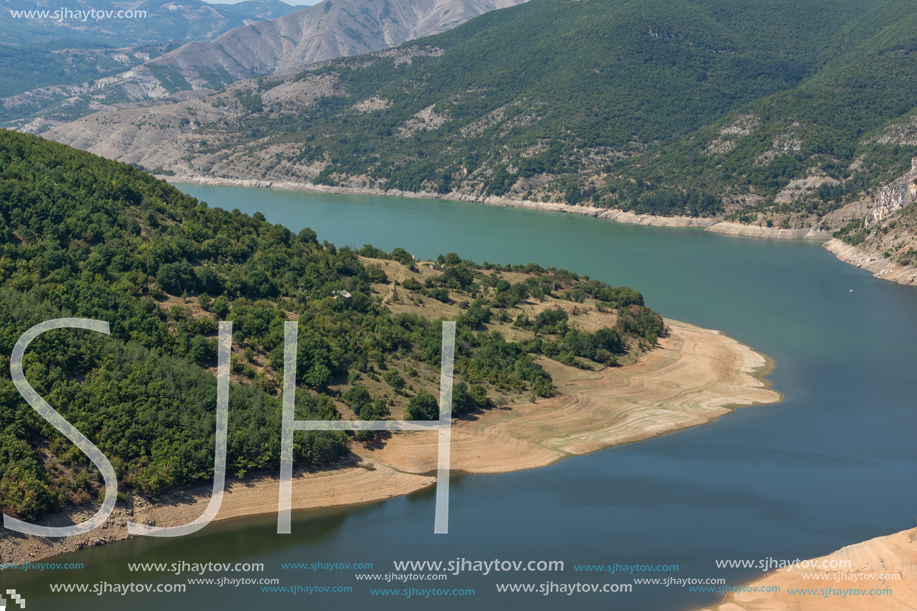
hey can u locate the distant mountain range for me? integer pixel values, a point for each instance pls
(142, 22)
(328, 30)
(52, 44)
(331, 29)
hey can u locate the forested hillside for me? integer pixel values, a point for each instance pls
(771, 112)
(81, 236)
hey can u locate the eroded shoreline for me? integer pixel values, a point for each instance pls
(880, 267)
(695, 376)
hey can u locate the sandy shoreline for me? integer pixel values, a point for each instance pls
(883, 563)
(769, 233)
(613, 214)
(878, 266)
(694, 377)
(620, 216)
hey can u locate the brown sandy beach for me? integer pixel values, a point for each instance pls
(695, 376)
(884, 563)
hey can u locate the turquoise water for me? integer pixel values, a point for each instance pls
(831, 465)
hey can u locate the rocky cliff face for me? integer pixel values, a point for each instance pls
(894, 197)
(884, 242)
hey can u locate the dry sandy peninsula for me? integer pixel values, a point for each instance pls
(885, 563)
(695, 376)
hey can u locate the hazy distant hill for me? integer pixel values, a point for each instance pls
(66, 48)
(328, 30)
(164, 20)
(770, 113)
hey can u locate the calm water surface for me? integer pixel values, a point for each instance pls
(831, 465)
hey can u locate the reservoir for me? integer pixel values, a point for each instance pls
(832, 465)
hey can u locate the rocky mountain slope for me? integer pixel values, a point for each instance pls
(330, 29)
(54, 47)
(884, 241)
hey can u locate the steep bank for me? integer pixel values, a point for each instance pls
(883, 240)
(695, 376)
(879, 266)
(885, 564)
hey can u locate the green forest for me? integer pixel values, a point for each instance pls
(82, 236)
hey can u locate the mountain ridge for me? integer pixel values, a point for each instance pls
(330, 29)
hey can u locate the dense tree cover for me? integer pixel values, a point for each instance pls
(81, 236)
(623, 103)
(563, 343)
(507, 365)
(852, 233)
(423, 406)
(85, 237)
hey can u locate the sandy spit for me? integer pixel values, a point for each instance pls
(884, 563)
(695, 376)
